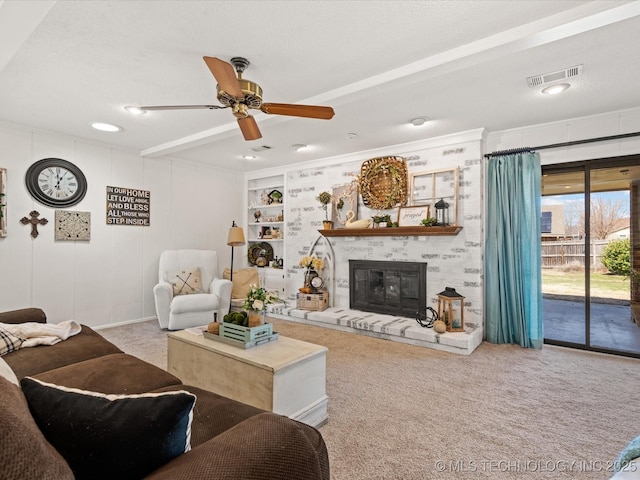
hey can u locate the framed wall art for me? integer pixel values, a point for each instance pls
(128, 206)
(72, 225)
(413, 215)
(428, 187)
(344, 198)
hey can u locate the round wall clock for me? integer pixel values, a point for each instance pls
(56, 183)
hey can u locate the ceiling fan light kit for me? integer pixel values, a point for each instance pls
(241, 95)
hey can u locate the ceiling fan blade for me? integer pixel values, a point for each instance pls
(182, 107)
(225, 75)
(249, 128)
(310, 111)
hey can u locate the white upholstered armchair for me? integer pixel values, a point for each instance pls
(189, 291)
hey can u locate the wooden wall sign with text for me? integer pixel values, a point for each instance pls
(128, 206)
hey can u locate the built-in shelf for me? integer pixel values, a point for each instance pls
(275, 186)
(270, 205)
(270, 222)
(390, 231)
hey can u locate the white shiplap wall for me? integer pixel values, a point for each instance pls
(108, 280)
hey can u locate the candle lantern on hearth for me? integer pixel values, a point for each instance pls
(442, 212)
(451, 309)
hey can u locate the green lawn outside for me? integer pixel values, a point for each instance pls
(572, 283)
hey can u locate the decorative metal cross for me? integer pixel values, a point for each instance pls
(34, 221)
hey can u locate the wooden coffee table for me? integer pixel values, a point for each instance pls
(285, 376)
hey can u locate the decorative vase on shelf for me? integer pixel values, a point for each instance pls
(327, 224)
(257, 318)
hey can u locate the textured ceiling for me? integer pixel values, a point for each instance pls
(463, 64)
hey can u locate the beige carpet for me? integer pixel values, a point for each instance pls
(402, 412)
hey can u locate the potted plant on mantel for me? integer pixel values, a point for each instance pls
(381, 221)
(325, 199)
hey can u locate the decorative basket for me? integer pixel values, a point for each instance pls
(383, 182)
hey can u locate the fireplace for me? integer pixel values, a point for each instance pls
(395, 288)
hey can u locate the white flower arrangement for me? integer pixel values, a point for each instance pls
(258, 298)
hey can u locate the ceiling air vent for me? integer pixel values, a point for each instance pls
(554, 76)
(261, 148)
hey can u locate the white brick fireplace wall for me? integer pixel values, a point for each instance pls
(453, 261)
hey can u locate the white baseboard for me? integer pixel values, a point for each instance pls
(314, 414)
(126, 322)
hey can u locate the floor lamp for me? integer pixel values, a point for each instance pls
(235, 239)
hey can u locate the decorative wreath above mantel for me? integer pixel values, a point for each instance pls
(383, 182)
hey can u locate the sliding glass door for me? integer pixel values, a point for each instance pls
(587, 250)
(563, 243)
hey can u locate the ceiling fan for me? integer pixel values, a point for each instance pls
(241, 95)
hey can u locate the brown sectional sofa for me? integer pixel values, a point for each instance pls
(229, 440)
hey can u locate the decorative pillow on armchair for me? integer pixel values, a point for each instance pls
(186, 281)
(111, 436)
(242, 281)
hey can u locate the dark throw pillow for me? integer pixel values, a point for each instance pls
(111, 436)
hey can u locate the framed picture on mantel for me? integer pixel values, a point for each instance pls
(428, 187)
(413, 215)
(345, 197)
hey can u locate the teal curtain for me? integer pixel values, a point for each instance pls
(513, 253)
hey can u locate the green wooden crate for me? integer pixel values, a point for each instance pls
(245, 334)
(238, 343)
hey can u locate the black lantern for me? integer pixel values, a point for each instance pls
(442, 213)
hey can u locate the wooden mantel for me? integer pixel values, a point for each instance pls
(390, 231)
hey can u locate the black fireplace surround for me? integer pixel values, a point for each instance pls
(394, 288)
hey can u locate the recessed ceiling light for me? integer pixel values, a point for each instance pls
(555, 89)
(298, 146)
(249, 157)
(418, 121)
(135, 110)
(351, 136)
(105, 127)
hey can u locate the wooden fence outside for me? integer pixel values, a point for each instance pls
(571, 253)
